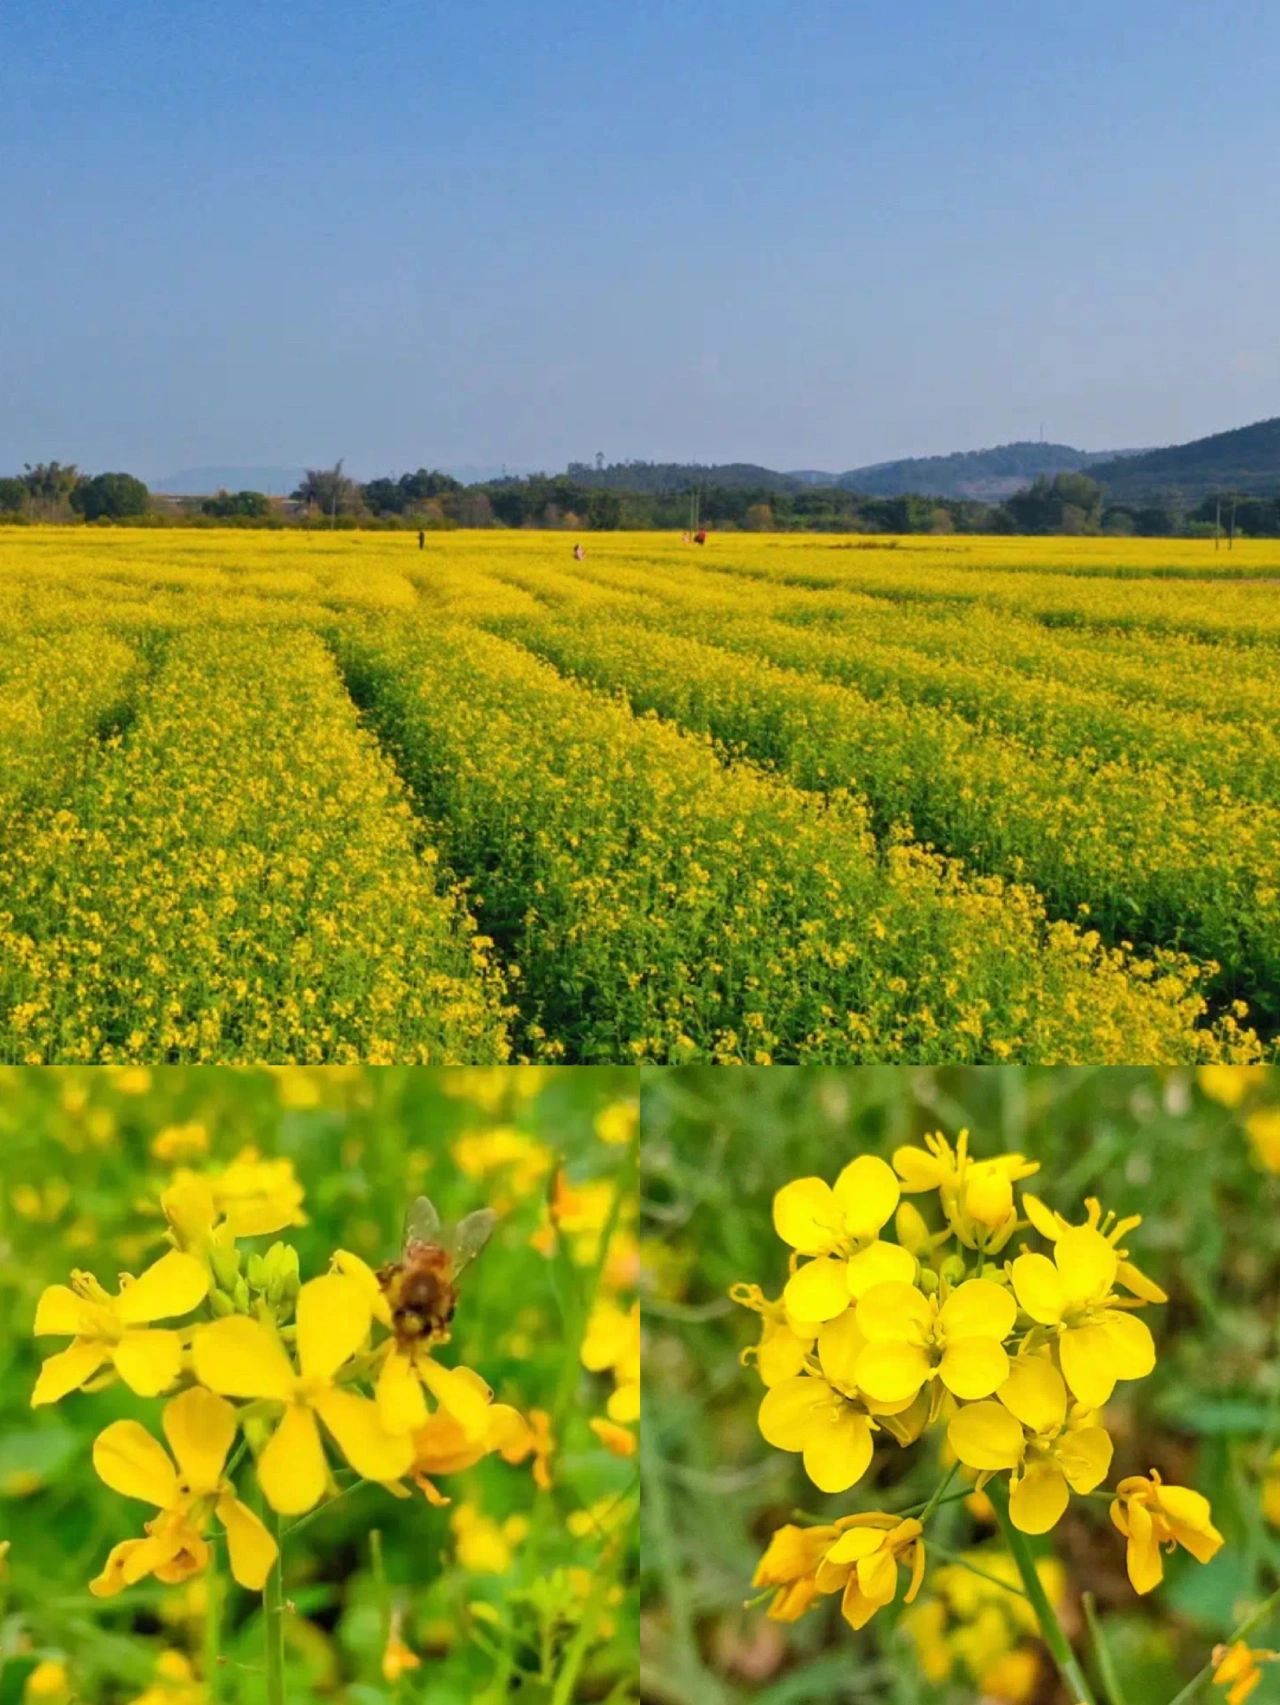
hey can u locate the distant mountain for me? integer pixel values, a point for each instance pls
(202, 482)
(1246, 460)
(988, 475)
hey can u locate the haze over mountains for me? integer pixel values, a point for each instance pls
(1245, 460)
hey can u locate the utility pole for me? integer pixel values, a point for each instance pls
(1217, 525)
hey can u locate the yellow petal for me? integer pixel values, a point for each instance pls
(352, 1267)
(866, 1193)
(781, 1354)
(334, 1316)
(892, 1373)
(979, 1308)
(1039, 1288)
(1037, 1500)
(1035, 1393)
(250, 1547)
(354, 1421)
(854, 1544)
(878, 1264)
(176, 1284)
(68, 1370)
(148, 1361)
(918, 1169)
(789, 1410)
(1142, 1554)
(1084, 1353)
(1132, 1348)
(1191, 1520)
(111, 1579)
(134, 1464)
(240, 1358)
(200, 1428)
(878, 1577)
(1087, 1263)
(838, 1451)
(459, 1393)
(817, 1291)
(985, 1436)
(1085, 1456)
(292, 1470)
(806, 1216)
(893, 1311)
(973, 1367)
(840, 1343)
(1042, 1218)
(61, 1312)
(399, 1395)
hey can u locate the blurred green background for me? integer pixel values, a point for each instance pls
(490, 1592)
(1168, 1144)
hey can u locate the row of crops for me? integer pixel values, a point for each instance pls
(335, 798)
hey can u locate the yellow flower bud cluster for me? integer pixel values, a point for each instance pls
(891, 1325)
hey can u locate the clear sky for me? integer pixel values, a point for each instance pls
(811, 235)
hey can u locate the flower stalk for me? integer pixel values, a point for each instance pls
(1060, 1649)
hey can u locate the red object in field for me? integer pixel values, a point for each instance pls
(700, 537)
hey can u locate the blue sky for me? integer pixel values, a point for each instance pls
(811, 235)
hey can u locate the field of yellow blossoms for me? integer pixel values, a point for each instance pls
(329, 798)
(235, 1469)
(962, 1384)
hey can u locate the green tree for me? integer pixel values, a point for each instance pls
(49, 485)
(328, 490)
(227, 505)
(111, 497)
(13, 496)
(604, 511)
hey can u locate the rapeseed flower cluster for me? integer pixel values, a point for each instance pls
(896, 1322)
(300, 1380)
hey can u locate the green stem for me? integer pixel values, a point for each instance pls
(1110, 1680)
(273, 1616)
(1255, 1619)
(1050, 1628)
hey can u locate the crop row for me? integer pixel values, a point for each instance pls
(1133, 847)
(58, 694)
(659, 906)
(239, 878)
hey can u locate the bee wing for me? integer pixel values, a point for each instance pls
(470, 1236)
(422, 1222)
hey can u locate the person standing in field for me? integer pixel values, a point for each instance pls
(578, 553)
(422, 538)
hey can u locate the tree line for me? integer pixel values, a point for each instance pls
(1066, 504)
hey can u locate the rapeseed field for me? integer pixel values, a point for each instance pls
(307, 797)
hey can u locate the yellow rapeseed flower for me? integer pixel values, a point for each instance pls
(1097, 1341)
(240, 1357)
(1238, 1669)
(200, 1428)
(1029, 1431)
(840, 1225)
(118, 1329)
(790, 1563)
(1152, 1515)
(863, 1564)
(913, 1339)
(785, 1343)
